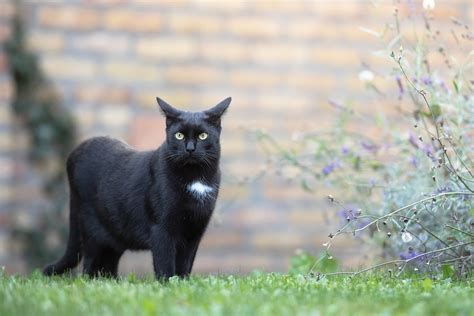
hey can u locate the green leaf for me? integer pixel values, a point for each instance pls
(447, 270)
(375, 165)
(436, 110)
(456, 87)
(427, 284)
(305, 186)
(356, 162)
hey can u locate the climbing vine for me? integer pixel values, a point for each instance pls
(52, 133)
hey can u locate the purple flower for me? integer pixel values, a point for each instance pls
(337, 105)
(345, 150)
(443, 189)
(330, 167)
(413, 140)
(409, 254)
(426, 81)
(348, 212)
(418, 144)
(443, 85)
(369, 146)
(401, 90)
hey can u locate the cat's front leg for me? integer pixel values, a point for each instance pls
(163, 249)
(185, 258)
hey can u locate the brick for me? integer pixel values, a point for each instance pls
(101, 94)
(232, 191)
(311, 81)
(147, 131)
(5, 115)
(164, 3)
(194, 24)
(6, 9)
(233, 263)
(68, 17)
(226, 51)
(19, 138)
(218, 239)
(234, 145)
(280, 103)
(273, 53)
(180, 99)
(69, 67)
(254, 27)
(5, 32)
(139, 263)
(6, 167)
(220, 7)
(6, 90)
(6, 143)
(253, 215)
(131, 71)
(281, 7)
(113, 116)
(134, 21)
(254, 78)
(278, 240)
(192, 75)
(336, 57)
(86, 116)
(171, 48)
(346, 10)
(241, 168)
(304, 28)
(45, 41)
(310, 217)
(101, 43)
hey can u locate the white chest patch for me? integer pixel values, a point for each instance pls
(199, 189)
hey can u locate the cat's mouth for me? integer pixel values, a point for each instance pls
(191, 159)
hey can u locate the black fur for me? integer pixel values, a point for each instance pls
(126, 199)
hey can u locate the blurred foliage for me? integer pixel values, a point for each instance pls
(303, 262)
(408, 187)
(52, 134)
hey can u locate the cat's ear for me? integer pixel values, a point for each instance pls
(168, 110)
(214, 114)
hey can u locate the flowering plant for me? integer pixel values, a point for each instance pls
(410, 190)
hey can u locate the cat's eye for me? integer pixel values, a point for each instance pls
(179, 136)
(202, 136)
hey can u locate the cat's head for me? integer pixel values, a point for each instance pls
(193, 137)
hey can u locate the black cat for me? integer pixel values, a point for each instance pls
(160, 200)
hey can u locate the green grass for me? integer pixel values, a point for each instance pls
(256, 294)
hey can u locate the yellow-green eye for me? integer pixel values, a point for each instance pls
(202, 136)
(179, 136)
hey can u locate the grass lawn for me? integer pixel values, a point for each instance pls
(256, 294)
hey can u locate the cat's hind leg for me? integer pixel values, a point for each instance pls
(101, 261)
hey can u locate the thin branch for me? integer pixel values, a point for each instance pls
(406, 261)
(401, 209)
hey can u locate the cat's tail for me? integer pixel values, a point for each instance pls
(73, 253)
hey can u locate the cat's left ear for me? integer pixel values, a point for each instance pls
(215, 113)
(169, 111)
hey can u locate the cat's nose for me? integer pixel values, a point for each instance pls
(190, 148)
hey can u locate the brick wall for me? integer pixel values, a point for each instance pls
(279, 60)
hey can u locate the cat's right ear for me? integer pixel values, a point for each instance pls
(169, 111)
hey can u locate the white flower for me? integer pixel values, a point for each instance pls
(406, 237)
(366, 76)
(428, 4)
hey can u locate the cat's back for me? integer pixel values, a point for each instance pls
(100, 148)
(100, 156)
